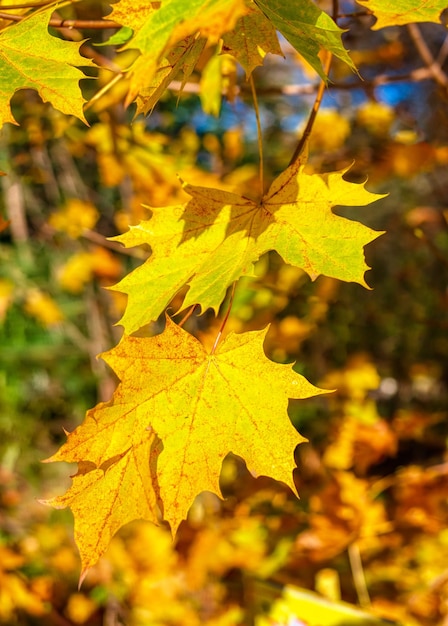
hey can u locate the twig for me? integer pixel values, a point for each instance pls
(99, 239)
(224, 322)
(259, 133)
(61, 23)
(26, 5)
(309, 126)
(187, 315)
(426, 55)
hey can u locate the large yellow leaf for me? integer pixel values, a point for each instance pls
(31, 58)
(215, 238)
(201, 406)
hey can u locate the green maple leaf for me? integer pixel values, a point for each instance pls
(217, 236)
(401, 12)
(307, 28)
(201, 405)
(31, 58)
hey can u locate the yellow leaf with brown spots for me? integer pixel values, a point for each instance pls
(177, 413)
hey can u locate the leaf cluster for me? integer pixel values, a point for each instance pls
(184, 403)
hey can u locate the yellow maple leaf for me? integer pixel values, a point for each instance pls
(215, 238)
(402, 12)
(178, 411)
(106, 495)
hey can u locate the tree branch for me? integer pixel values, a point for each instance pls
(426, 55)
(60, 23)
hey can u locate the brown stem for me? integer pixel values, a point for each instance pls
(187, 315)
(224, 322)
(426, 55)
(26, 5)
(309, 126)
(60, 23)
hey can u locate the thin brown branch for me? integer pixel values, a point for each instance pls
(259, 133)
(354, 14)
(61, 23)
(187, 315)
(101, 240)
(309, 126)
(224, 322)
(416, 75)
(26, 5)
(426, 55)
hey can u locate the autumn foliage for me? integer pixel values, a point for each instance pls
(207, 401)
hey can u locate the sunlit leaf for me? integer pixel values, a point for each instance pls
(397, 13)
(253, 37)
(202, 405)
(307, 28)
(31, 58)
(215, 238)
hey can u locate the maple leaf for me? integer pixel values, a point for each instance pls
(217, 236)
(31, 58)
(163, 27)
(251, 39)
(402, 12)
(105, 498)
(307, 28)
(201, 405)
(182, 58)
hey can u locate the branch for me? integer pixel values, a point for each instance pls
(26, 5)
(58, 23)
(426, 55)
(309, 125)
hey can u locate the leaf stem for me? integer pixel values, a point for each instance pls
(224, 322)
(103, 90)
(187, 315)
(312, 118)
(259, 132)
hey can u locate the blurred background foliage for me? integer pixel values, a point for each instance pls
(371, 525)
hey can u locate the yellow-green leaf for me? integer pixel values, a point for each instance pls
(31, 58)
(201, 405)
(166, 26)
(216, 237)
(180, 60)
(399, 12)
(307, 28)
(253, 37)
